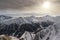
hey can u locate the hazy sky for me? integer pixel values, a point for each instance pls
(28, 7)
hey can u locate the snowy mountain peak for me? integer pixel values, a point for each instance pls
(47, 16)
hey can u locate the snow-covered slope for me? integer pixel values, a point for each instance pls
(28, 36)
(32, 19)
(50, 33)
(3, 18)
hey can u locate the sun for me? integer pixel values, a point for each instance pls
(46, 5)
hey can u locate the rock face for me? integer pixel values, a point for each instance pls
(4, 37)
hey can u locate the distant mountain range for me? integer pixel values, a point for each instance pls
(21, 20)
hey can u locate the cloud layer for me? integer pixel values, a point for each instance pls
(27, 5)
(17, 4)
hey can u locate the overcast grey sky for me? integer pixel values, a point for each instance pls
(23, 7)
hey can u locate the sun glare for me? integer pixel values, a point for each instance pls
(46, 5)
